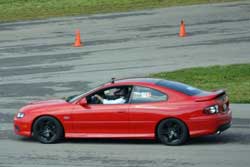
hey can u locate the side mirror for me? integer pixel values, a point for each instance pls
(83, 102)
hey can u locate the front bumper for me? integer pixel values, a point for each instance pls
(22, 127)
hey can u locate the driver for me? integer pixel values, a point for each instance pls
(120, 93)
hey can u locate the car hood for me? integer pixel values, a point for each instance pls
(36, 105)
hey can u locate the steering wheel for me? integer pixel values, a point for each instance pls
(95, 100)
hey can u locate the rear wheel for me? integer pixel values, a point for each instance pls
(47, 130)
(172, 132)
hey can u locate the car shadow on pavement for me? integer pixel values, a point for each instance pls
(229, 137)
(232, 136)
(93, 141)
(224, 138)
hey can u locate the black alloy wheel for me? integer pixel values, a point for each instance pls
(47, 130)
(172, 132)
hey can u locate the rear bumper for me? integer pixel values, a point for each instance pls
(207, 125)
(224, 127)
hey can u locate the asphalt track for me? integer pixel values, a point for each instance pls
(37, 61)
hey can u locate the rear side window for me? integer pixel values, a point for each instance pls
(143, 95)
(180, 87)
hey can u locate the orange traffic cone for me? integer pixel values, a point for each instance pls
(182, 32)
(77, 39)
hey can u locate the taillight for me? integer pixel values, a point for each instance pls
(212, 109)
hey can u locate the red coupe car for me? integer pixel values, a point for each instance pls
(139, 108)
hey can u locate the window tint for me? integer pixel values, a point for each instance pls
(111, 95)
(144, 94)
(180, 87)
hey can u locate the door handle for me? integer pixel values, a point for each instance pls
(121, 111)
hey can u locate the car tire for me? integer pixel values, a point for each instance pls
(172, 132)
(47, 130)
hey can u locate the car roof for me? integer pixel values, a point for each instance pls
(140, 80)
(173, 85)
(131, 81)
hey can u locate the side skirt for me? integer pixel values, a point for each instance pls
(107, 135)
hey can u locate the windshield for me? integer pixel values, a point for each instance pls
(69, 98)
(73, 98)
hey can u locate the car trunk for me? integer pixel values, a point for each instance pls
(219, 96)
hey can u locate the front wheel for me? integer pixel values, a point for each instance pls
(172, 132)
(47, 130)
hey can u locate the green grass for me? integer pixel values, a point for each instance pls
(234, 78)
(11, 10)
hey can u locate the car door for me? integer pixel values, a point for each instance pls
(101, 120)
(146, 109)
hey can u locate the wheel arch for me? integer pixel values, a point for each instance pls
(158, 123)
(47, 115)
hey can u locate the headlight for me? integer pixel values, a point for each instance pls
(20, 115)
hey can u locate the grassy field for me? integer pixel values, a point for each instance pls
(11, 10)
(234, 78)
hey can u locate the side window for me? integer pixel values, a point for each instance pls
(111, 95)
(143, 95)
